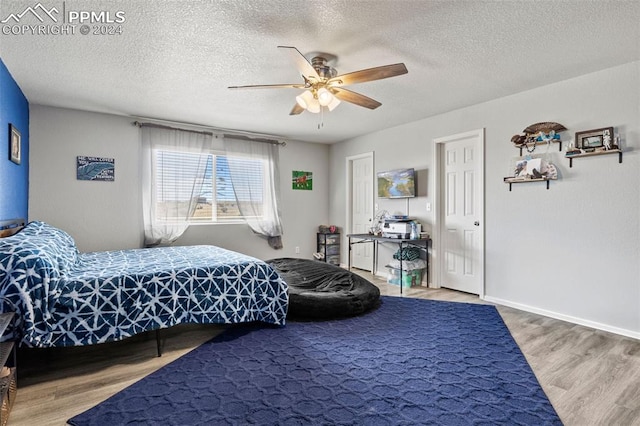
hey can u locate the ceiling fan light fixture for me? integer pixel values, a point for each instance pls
(334, 103)
(323, 86)
(301, 101)
(307, 101)
(325, 97)
(314, 107)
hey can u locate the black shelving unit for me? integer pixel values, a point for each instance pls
(329, 246)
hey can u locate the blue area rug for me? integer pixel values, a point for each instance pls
(409, 362)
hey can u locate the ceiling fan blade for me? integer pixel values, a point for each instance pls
(297, 109)
(270, 86)
(304, 66)
(355, 98)
(369, 74)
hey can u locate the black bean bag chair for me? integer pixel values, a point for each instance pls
(319, 290)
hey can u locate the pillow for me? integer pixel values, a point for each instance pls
(27, 277)
(52, 242)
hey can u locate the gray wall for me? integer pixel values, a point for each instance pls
(108, 215)
(573, 251)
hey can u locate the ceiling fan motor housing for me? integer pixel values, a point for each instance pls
(324, 71)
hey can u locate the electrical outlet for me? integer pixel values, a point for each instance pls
(428, 207)
(297, 250)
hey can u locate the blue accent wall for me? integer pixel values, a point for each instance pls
(14, 178)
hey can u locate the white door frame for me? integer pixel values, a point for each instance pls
(436, 258)
(348, 202)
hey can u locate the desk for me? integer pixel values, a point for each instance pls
(422, 243)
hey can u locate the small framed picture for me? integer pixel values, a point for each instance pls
(302, 180)
(15, 144)
(600, 139)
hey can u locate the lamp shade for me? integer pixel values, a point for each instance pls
(307, 101)
(325, 97)
(334, 103)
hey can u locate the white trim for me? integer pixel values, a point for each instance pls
(348, 201)
(563, 317)
(348, 172)
(436, 243)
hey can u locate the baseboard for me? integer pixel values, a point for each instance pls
(563, 317)
(568, 318)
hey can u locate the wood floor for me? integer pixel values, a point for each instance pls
(591, 377)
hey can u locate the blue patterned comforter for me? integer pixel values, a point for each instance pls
(66, 298)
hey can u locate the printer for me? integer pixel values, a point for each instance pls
(397, 228)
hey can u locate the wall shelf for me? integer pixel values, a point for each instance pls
(511, 181)
(591, 154)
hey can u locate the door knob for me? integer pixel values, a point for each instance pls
(476, 223)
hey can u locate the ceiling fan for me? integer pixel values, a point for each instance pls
(324, 88)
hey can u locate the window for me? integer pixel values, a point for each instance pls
(214, 196)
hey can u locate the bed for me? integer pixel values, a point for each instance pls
(66, 298)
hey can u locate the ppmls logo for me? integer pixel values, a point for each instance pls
(38, 11)
(50, 21)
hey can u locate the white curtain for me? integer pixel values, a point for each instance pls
(260, 210)
(170, 191)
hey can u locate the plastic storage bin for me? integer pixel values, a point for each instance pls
(328, 246)
(409, 278)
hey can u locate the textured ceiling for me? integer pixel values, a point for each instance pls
(174, 59)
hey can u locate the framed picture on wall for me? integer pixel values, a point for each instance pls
(599, 139)
(95, 168)
(302, 180)
(15, 144)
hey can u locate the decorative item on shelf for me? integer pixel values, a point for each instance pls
(595, 142)
(572, 150)
(531, 168)
(538, 133)
(528, 168)
(378, 220)
(328, 229)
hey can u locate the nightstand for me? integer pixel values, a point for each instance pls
(8, 373)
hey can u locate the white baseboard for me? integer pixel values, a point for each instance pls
(563, 317)
(568, 318)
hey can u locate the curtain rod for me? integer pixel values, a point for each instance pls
(226, 135)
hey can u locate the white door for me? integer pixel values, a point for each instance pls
(461, 208)
(362, 209)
